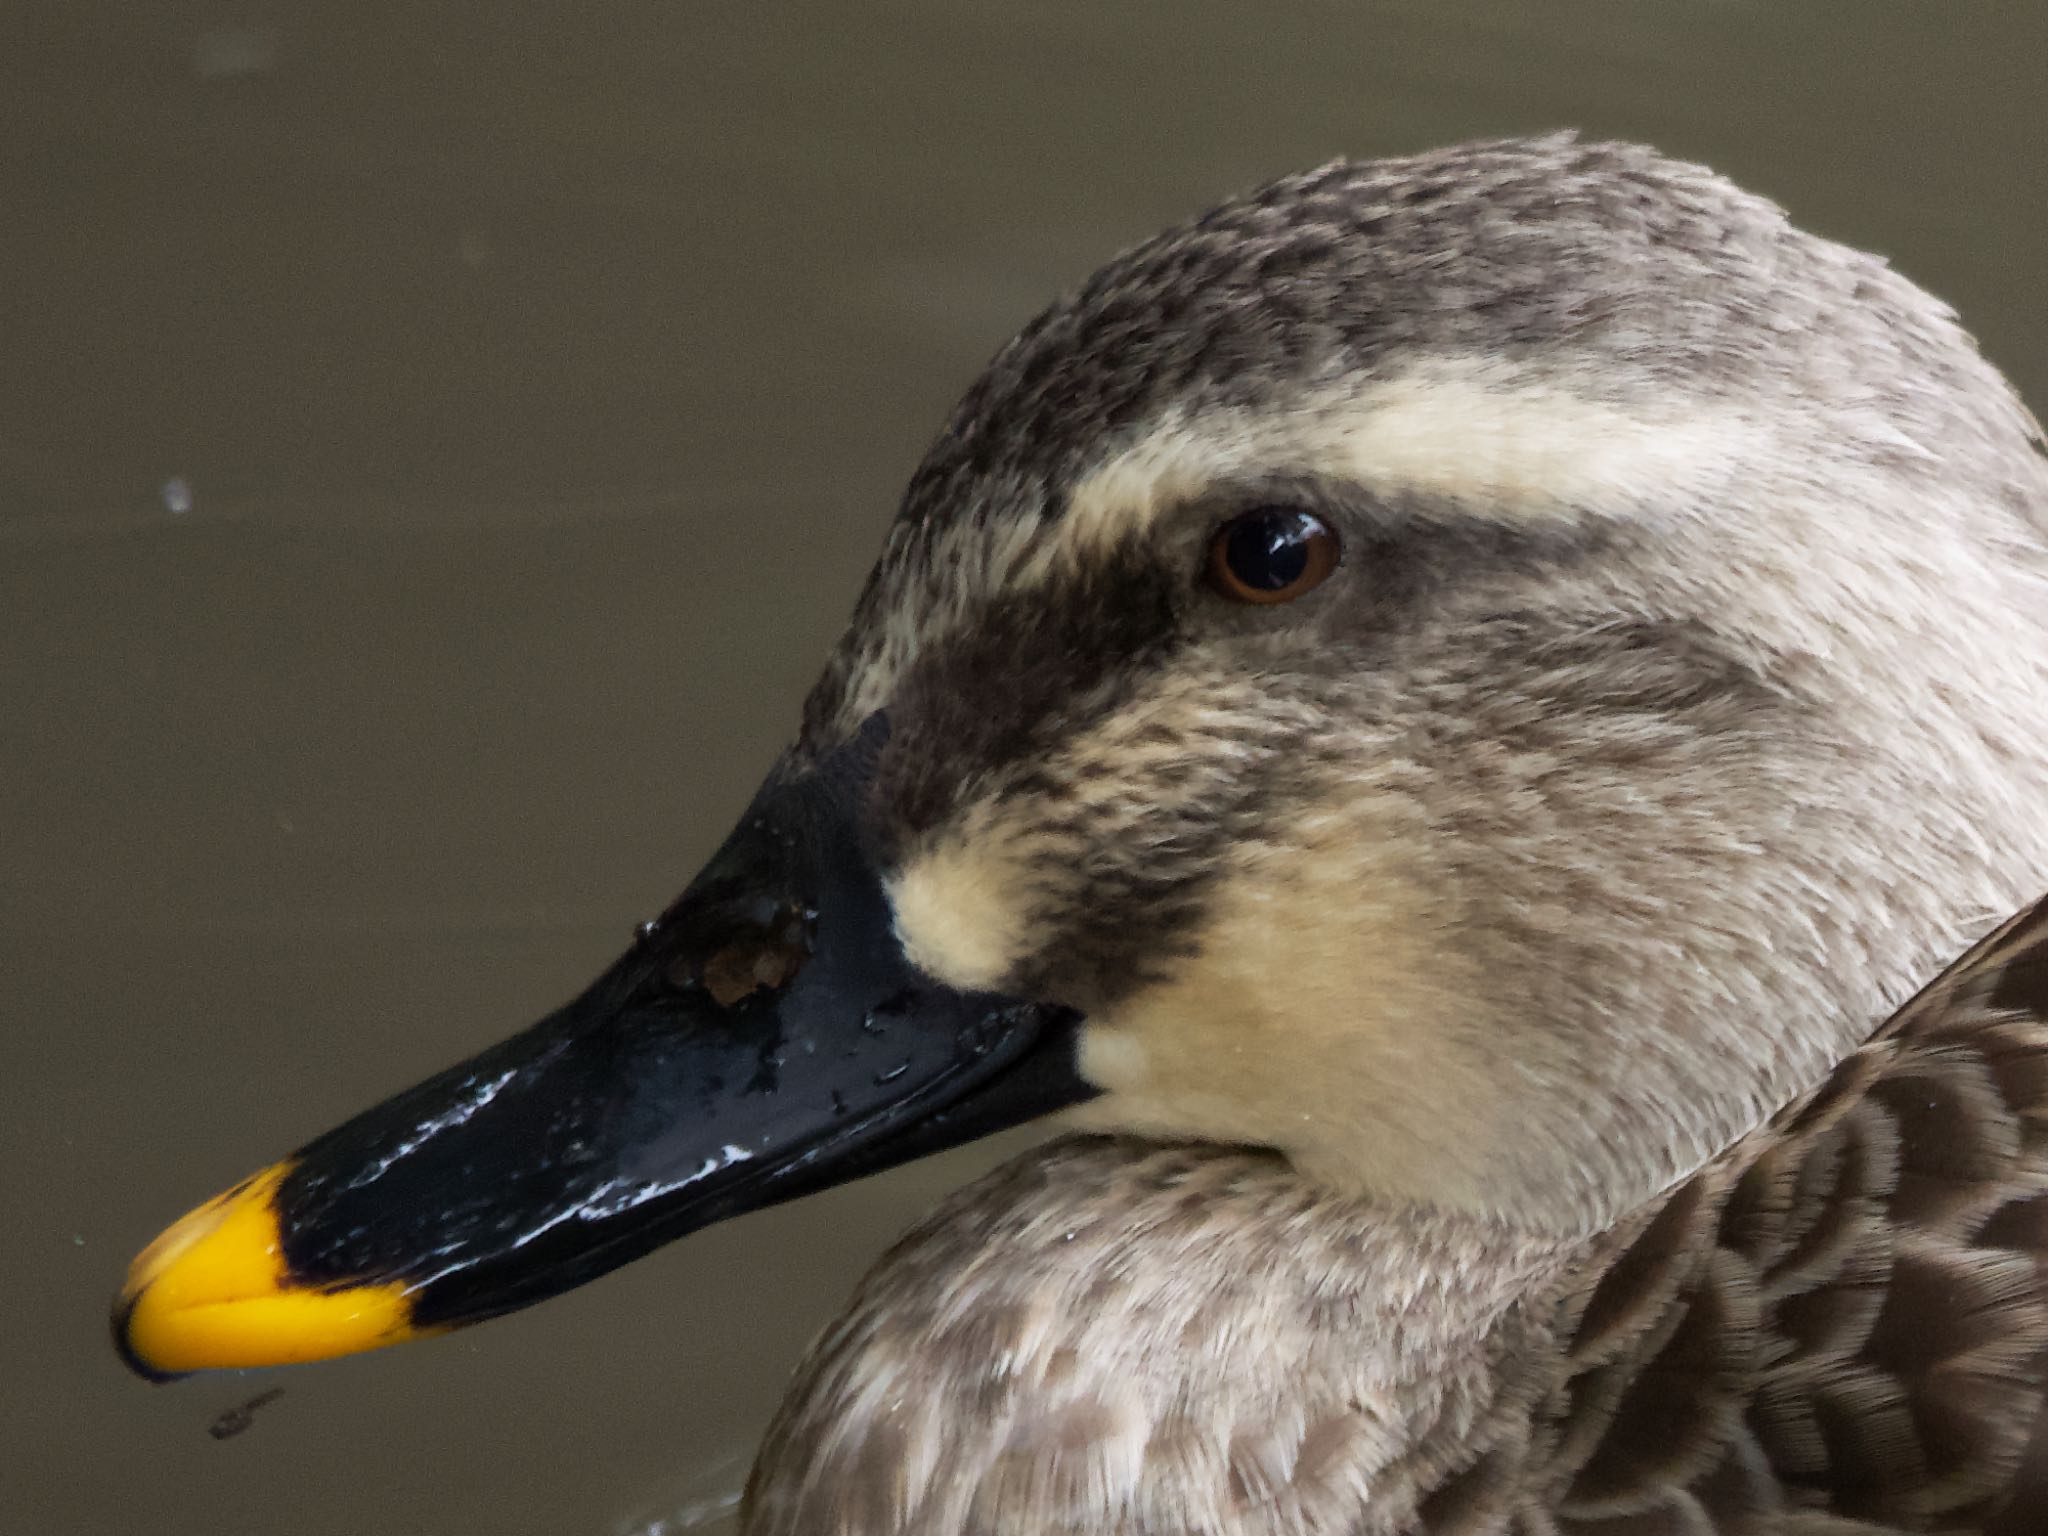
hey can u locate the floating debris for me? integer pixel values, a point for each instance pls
(238, 1418)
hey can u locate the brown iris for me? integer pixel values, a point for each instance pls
(1271, 555)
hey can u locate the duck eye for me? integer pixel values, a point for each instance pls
(1271, 555)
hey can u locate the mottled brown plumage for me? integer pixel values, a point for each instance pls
(1837, 1327)
(1530, 893)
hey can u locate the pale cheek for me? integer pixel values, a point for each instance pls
(1114, 1060)
(958, 917)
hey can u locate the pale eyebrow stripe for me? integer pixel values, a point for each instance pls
(1483, 438)
(1478, 436)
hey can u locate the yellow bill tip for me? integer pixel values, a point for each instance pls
(214, 1292)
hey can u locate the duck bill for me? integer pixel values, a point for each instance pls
(765, 1038)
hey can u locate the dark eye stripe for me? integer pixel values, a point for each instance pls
(1034, 667)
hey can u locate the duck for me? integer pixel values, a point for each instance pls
(1435, 722)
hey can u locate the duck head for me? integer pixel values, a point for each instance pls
(1483, 674)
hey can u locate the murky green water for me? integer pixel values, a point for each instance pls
(437, 444)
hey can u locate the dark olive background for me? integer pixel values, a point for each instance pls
(541, 378)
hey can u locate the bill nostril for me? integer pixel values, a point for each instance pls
(760, 957)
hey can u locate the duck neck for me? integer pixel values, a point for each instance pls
(1164, 1338)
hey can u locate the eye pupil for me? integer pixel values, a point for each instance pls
(1271, 555)
(1268, 551)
